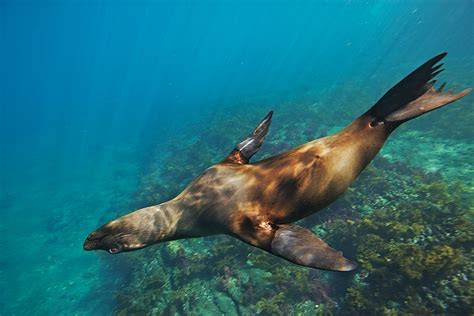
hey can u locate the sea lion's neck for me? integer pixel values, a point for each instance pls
(173, 220)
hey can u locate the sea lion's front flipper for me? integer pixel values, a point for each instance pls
(249, 146)
(299, 245)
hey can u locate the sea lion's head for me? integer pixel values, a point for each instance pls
(114, 237)
(147, 226)
(127, 233)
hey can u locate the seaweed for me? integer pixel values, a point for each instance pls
(415, 257)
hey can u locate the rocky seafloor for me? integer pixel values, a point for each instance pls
(407, 221)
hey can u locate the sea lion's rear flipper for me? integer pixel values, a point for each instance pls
(299, 245)
(249, 146)
(414, 95)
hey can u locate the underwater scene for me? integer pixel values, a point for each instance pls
(108, 107)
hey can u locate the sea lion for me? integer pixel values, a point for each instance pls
(257, 203)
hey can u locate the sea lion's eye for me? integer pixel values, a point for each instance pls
(113, 250)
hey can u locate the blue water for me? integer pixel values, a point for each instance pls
(91, 92)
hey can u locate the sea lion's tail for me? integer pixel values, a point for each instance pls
(414, 95)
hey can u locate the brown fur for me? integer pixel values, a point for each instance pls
(248, 200)
(258, 202)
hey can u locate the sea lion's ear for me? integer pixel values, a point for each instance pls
(249, 146)
(301, 246)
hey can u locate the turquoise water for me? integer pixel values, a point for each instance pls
(108, 107)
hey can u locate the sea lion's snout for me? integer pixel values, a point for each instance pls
(89, 244)
(99, 240)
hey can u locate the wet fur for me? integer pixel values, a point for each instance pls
(242, 199)
(258, 202)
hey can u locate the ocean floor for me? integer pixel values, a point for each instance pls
(221, 275)
(49, 273)
(452, 159)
